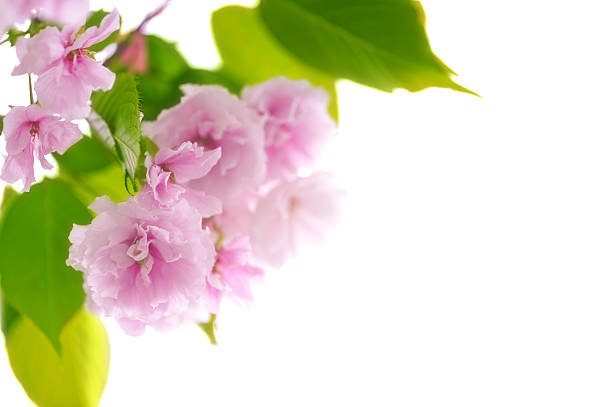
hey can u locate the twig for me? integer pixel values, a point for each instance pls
(123, 45)
(30, 86)
(152, 15)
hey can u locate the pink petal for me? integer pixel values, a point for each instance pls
(94, 35)
(206, 205)
(20, 167)
(59, 91)
(189, 161)
(17, 126)
(293, 213)
(38, 53)
(163, 189)
(14, 12)
(63, 11)
(296, 121)
(94, 74)
(58, 136)
(132, 327)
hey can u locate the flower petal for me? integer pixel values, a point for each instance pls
(94, 35)
(38, 53)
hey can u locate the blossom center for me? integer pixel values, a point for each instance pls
(139, 249)
(294, 204)
(76, 55)
(35, 129)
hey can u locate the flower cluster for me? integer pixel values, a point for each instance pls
(225, 178)
(222, 194)
(66, 76)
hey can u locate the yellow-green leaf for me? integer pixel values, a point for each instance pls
(252, 55)
(76, 378)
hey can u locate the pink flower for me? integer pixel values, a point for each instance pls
(232, 274)
(171, 170)
(14, 12)
(62, 11)
(237, 215)
(67, 73)
(212, 117)
(144, 265)
(59, 11)
(296, 121)
(30, 131)
(294, 212)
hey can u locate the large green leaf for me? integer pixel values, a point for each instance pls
(33, 249)
(77, 377)
(120, 110)
(379, 43)
(9, 313)
(252, 55)
(9, 316)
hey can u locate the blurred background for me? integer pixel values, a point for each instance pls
(473, 264)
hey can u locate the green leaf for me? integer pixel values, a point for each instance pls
(94, 20)
(8, 198)
(9, 313)
(87, 155)
(120, 110)
(378, 43)
(167, 69)
(210, 329)
(91, 169)
(99, 130)
(252, 55)
(88, 186)
(158, 85)
(1, 123)
(9, 316)
(77, 377)
(150, 146)
(33, 251)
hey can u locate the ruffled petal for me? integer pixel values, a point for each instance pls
(94, 35)
(58, 136)
(59, 91)
(94, 74)
(63, 11)
(38, 53)
(20, 167)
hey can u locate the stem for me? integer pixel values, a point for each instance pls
(4, 40)
(152, 15)
(30, 85)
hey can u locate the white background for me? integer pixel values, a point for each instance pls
(473, 264)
